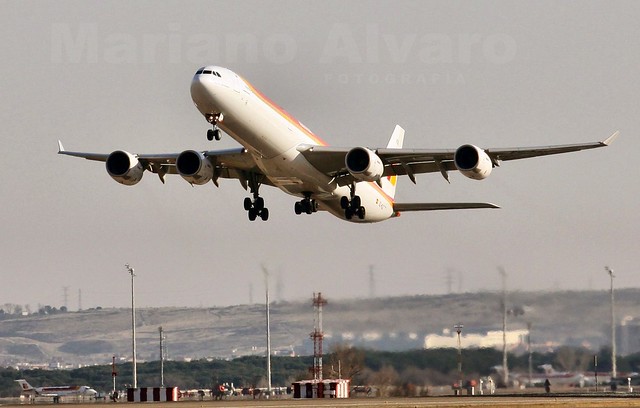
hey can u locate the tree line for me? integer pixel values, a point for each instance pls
(366, 367)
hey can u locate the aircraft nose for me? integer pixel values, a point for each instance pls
(200, 85)
(205, 90)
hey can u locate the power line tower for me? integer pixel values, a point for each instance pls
(317, 335)
(449, 281)
(65, 296)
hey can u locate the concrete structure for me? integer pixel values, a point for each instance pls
(155, 394)
(336, 388)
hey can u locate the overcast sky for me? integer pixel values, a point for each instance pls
(107, 75)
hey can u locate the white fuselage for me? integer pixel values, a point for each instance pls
(273, 138)
(64, 391)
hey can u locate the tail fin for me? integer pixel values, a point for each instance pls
(24, 385)
(388, 184)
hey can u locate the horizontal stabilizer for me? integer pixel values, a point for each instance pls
(440, 206)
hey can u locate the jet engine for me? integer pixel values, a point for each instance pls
(124, 168)
(364, 164)
(194, 167)
(473, 162)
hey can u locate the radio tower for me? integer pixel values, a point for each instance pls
(317, 335)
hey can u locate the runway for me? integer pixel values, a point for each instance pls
(579, 401)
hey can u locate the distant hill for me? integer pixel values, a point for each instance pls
(395, 323)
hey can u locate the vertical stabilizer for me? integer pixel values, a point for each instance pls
(388, 184)
(26, 387)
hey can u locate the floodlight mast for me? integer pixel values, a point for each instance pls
(133, 324)
(458, 328)
(614, 368)
(267, 304)
(162, 338)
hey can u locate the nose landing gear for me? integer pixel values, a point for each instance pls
(214, 133)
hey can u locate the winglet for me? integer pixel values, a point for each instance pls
(60, 148)
(610, 139)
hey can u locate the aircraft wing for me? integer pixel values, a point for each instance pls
(233, 163)
(403, 207)
(399, 162)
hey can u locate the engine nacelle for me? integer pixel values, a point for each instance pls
(194, 167)
(473, 162)
(124, 168)
(364, 164)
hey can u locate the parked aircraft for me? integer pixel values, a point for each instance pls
(353, 183)
(56, 392)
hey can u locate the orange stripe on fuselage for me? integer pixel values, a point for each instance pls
(386, 196)
(295, 122)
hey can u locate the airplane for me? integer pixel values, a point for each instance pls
(357, 184)
(56, 392)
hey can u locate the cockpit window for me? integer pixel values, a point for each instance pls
(208, 72)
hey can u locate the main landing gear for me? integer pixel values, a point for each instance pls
(214, 133)
(255, 208)
(308, 205)
(352, 206)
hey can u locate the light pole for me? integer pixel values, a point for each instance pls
(114, 373)
(268, 301)
(614, 368)
(530, 354)
(161, 331)
(505, 365)
(458, 328)
(133, 324)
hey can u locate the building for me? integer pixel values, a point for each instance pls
(493, 339)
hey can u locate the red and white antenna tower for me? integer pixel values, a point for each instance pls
(317, 335)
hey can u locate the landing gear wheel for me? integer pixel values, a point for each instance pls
(256, 208)
(352, 207)
(213, 134)
(308, 205)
